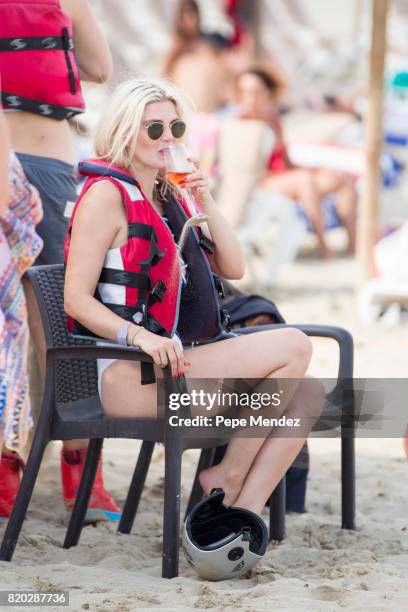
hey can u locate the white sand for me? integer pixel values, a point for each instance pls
(318, 566)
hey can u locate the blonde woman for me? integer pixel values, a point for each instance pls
(116, 266)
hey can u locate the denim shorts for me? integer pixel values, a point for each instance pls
(56, 184)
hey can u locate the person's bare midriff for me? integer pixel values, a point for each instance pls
(36, 135)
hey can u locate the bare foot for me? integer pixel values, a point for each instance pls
(217, 476)
(327, 253)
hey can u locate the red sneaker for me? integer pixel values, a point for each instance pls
(101, 506)
(11, 465)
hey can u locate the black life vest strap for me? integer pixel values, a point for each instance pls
(154, 257)
(147, 232)
(155, 254)
(45, 109)
(219, 287)
(38, 43)
(140, 230)
(66, 48)
(226, 319)
(156, 295)
(206, 243)
(125, 312)
(157, 292)
(155, 327)
(138, 280)
(142, 293)
(147, 375)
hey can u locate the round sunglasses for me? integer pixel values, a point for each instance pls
(155, 129)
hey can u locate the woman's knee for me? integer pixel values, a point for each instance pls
(299, 347)
(307, 191)
(303, 345)
(343, 178)
(305, 180)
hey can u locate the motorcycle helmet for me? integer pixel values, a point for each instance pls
(220, 541)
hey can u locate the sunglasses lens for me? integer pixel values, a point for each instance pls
(178, 128)
(155, 130)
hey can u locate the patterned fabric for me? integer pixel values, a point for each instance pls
(19, 246)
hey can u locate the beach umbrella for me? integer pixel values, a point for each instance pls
(369, 212)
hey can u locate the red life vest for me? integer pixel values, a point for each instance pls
(38, 69)
(141, 280)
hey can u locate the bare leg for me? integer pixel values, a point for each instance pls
(342, 184)
(300, 185)
(346, 208)
(270, 456)
(281, 447)
(255, 356)
(283, 353)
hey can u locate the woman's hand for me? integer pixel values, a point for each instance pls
(163, 350)
(227, 259)
(197, 183)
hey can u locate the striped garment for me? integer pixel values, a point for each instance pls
(19, 246)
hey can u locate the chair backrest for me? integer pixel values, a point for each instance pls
(74, 379)
(244, 147)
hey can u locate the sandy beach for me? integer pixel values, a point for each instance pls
(319, 103)
(318, 566)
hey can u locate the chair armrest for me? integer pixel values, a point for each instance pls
(113, 351)
(343, 338)
(340, 392)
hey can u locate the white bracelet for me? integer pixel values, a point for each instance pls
(121, 334)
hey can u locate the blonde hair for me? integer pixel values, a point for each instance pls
(116, 132)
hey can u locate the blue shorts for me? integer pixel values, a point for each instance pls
(56, 184)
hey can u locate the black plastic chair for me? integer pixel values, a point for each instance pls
(72, 410)
(343, 417)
